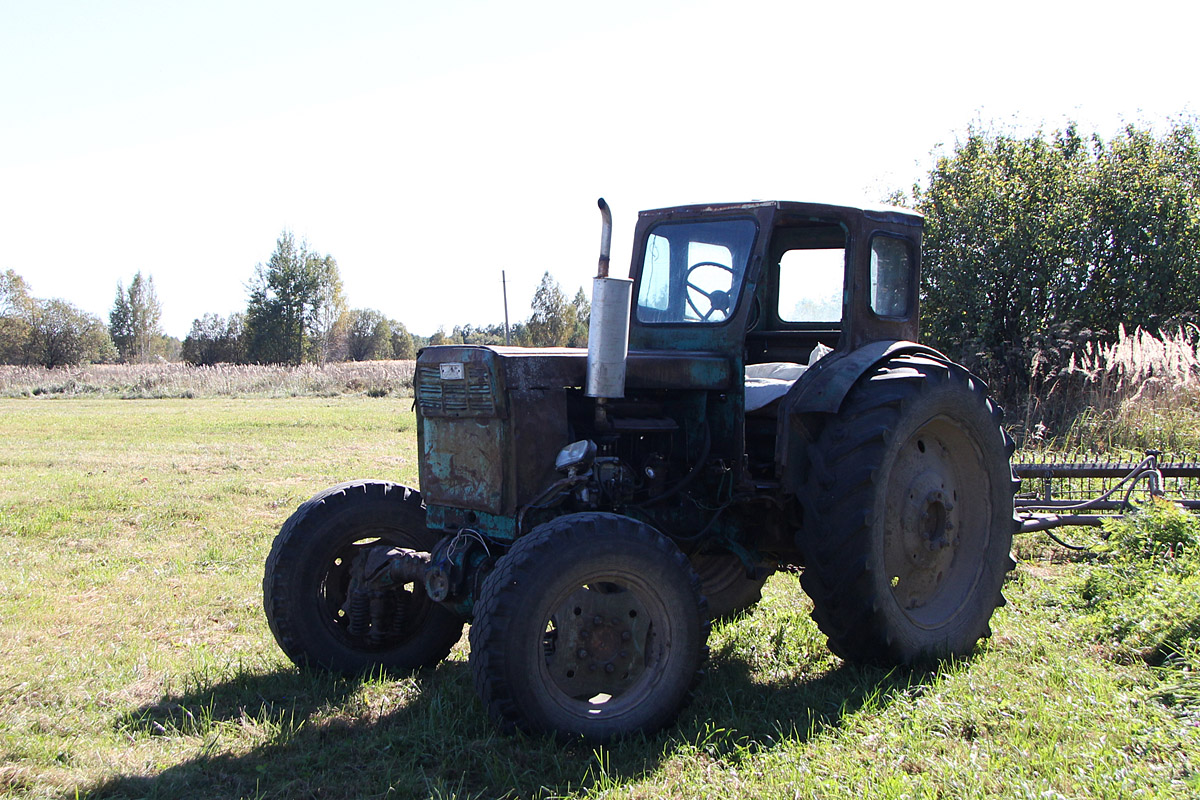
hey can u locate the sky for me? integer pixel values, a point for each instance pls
(430, 146)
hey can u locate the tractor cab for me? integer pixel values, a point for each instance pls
(771, 281)
(774, 287)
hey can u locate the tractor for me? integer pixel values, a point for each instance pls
(752, 399)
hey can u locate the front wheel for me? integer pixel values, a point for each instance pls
(909, 515)
(316, 617)
(593, 625)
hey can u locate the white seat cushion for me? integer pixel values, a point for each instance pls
(766, 383)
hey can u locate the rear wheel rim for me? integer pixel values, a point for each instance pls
(937, 516)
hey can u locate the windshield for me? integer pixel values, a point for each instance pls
(693, 271)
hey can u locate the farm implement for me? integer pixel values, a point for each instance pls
(1085, 490)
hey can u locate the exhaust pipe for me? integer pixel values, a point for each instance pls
(608, 329)
(605, 237)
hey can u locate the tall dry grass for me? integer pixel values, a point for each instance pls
(150, 381)
(1140, 391)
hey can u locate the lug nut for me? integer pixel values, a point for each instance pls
(609, 668)
(597, 620)
(626, 636)
(581, 653)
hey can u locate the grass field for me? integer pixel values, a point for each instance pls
(135, 660)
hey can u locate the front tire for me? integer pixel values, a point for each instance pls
(593, 625)
(909, 515)
(306, 584)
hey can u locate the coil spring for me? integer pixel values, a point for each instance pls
(380, 606)
(358, 613)
(399, 610)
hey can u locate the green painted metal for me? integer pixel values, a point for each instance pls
(498, 527)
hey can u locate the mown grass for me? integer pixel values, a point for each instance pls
(135, 661)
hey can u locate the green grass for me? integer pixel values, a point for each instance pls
(135, 660)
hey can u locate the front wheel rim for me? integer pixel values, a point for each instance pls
(604, 647)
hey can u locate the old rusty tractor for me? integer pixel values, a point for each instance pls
(753, 397)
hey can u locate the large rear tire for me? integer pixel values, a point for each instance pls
(592, 625)
(909, 515)
(306, 584)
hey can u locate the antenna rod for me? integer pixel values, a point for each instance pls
(504, 284)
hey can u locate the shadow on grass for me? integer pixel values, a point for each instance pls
(292, 734)
(737, 712)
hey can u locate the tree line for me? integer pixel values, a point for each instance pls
(48, 332)
(296, 313)
(1036, 244)
(555, 322)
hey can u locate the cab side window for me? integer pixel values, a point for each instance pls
(891, 268)
(810, 284)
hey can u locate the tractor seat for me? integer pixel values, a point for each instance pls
(766, 383)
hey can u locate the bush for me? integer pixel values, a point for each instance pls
(1143, 590)
(1162, 531)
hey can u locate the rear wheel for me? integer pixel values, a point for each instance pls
(909, 515)
(593, 625)
(317, 619)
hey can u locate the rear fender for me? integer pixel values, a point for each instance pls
(821, 390)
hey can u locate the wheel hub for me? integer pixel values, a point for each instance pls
(934, 526)
(921, 552)
(936, 520)
(597, 643)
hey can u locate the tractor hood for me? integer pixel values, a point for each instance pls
(492, 419)
(473, 380)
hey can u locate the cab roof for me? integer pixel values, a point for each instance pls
(880, 213)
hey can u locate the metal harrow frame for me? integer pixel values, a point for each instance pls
(1053, 493)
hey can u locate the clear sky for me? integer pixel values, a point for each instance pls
(429, 145)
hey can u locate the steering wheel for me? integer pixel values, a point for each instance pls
(718, 301)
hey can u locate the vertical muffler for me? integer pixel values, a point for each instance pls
(608, 329)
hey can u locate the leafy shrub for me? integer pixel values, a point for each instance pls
(1143, 590)
(1161, 531)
